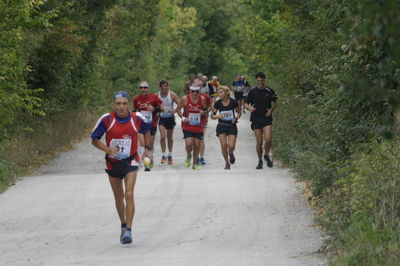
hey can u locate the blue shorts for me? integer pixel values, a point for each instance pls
(167, 122)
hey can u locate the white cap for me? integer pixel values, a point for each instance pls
(194, 88)
(144, 84)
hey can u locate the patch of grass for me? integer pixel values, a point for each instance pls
(48, 137)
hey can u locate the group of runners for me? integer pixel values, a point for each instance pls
(130, 134)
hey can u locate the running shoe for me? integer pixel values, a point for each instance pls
(186, 164)
(227, 166)
(146, 169)
(202, 161)
(269, 161)
(232, 158)
(196, 166)
(169, 160)
(126, 236)
(260, 164)
(164, 160)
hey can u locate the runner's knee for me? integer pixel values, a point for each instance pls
(129, 195)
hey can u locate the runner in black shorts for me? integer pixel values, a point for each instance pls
(166, 121)
(261, 102)
(227, 111)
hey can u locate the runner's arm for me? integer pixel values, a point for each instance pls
(101, 146)
(178, 109)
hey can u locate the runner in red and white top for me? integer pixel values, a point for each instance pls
(149, 105)
(123, 130)
(195, 108)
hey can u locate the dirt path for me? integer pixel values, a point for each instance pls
(64, 213)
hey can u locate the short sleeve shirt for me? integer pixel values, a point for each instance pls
(227, 111)
(262, 100)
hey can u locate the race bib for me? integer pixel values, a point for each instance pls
(228, 115)
(148, 116)
(123, 145)
(194, 119)
(239, 88)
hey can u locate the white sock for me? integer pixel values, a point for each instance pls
(164, 154)
(169, 154)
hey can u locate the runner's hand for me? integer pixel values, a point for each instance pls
(113, 151)
(269, 113)
(149, 108)
(251, 108)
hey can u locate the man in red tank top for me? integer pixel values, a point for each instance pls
(123, 130)
(195, 109)
(149, 105)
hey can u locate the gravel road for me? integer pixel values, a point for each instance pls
(63, 214)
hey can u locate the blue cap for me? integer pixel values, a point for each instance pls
(118, 94)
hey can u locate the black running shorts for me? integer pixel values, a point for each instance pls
(261, 123)
(168, 123)
(227, 130)
(189, 134)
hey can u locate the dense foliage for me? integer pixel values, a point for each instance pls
(334, 64)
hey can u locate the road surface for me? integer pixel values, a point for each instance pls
(63, 214)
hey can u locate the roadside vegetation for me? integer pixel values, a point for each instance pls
(334, 65)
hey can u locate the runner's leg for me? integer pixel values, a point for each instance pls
(268, 138)
(224, 146)
(259, 141)
(162, 138)
(189, 147)
(196, 149)
(130, 181)
(231, 143)
(118, 191)
(170, 139)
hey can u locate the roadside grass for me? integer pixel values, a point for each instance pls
(356, 194)
(48, 137)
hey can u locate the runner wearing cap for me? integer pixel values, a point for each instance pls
(148, 104)
(195, 108)
(166, 122)
(123, 130)
(227, 111)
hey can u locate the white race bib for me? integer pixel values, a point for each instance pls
(124, 146)
(148, 116)
(194, 119)
(228, 115)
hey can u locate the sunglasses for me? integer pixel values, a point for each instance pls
(194, 91)
(143, 87)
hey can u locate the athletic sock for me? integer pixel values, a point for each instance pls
(169, 154)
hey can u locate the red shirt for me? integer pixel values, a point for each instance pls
(192, 112)
(140, 103)
(124, 136)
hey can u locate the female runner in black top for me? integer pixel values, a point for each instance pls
(227, 111)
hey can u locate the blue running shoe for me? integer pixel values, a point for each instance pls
(202, 161)
(126, 236)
